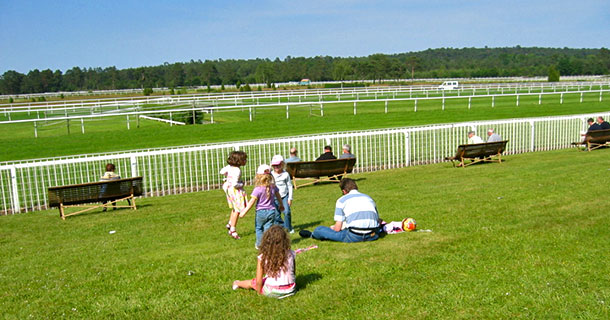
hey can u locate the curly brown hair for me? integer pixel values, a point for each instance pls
(237, 158)
(275, 248)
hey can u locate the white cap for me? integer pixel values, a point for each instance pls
(262, 168)
(277, 159)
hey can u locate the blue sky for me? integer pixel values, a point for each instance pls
(67, 33)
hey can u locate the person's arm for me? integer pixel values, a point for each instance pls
(289, 186)
(259, 276)
(338, 225)
(251, 203)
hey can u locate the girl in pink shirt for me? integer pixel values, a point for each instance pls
(276, 262)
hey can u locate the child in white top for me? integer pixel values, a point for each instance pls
(276, 262)
(234, 188)
(284, 184)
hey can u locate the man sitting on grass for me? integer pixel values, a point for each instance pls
(356, 217)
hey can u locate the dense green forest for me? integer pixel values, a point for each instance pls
(431, 63)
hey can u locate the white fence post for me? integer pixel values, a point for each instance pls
(15, 190)
(532, 137)
(407, 148)
(134, 166)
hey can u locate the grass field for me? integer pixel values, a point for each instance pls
(522, 239)
(112, 135)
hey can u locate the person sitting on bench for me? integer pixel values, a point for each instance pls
(109, 175)
(492, 136)
(356, 217)
(327, 155)
(473, 138)
(603, 125)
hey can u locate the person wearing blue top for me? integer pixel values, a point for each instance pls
(293, 156)
(356, 217)
(603, 125)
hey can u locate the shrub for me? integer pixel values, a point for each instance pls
(10, 100)
(553, 74)
(147, 91)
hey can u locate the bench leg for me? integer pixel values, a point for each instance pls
(133, 203)
(61, 211)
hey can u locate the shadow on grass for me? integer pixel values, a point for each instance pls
(304, 279)
(332, 181)
(99, 210)
(307, 225)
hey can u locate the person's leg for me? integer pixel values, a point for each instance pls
(326, 233)
(279, 214)
(244, 284)
(259, 221)
(287, 214)
(270, 217)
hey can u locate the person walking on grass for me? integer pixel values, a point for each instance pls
(233, 187)
(275, 266)
(264, 194)
(284, 184)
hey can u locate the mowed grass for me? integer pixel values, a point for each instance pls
(527, 238)
(112, 134)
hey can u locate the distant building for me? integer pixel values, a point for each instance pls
(305, 82)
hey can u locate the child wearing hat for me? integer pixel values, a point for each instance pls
(284, 184)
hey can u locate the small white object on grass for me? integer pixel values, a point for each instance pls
(423, 230)
(112, 231)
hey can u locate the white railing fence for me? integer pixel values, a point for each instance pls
(23, 184)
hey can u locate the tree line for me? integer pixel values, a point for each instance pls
(431, 63)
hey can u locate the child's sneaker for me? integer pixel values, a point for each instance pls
(292, 231)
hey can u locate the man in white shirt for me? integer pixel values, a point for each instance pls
(473, 138)
(356, 217)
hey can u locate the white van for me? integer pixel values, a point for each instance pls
(449, 85)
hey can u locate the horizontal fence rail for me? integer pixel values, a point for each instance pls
(23, 184)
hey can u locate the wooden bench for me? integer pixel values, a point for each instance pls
(479, 152)
(84, 195)
(330, 169)
(594, 139)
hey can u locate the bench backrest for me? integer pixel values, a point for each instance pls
(480, 149)
(95, 191)
(309, 169)
(598, 136)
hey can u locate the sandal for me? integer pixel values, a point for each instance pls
(234, 234)
(228, 226)
(235, 286)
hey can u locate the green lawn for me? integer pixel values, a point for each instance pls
(526, 238)
(112, 135)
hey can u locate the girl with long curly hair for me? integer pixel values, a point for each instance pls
(276, 262)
